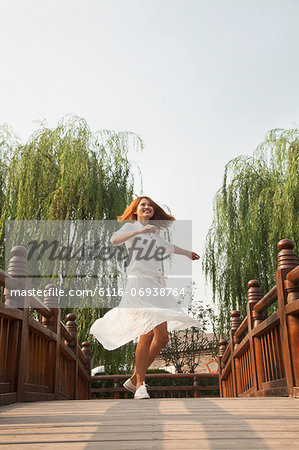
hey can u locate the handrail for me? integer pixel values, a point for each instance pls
(293, 276)
(266, 301)
(65, 333)
(155, 375)
(243, 328)
(8, 281)
(165, 390)
(38, 305)
(226, 355)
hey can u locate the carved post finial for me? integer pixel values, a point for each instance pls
(86, 349)
(254, 294)
(71, 326)
(222, 347)
(235, 321)
(51, 301)
(287, 258)
(17, 268)
(86, 352)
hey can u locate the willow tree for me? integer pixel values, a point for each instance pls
(256, 206)
(68, 173)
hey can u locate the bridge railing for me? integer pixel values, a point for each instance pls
(262, 356)
(39, 360)
(196, 389)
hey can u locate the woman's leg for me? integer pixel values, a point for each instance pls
(141, 358)
(159, 338)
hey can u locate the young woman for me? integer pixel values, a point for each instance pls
(149, 316)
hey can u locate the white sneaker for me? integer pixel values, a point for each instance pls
(129, 386)
(141, 392)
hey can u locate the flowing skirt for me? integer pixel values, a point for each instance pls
(138, 314)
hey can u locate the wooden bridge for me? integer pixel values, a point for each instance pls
(40, 360)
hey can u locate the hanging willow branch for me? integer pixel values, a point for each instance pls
(68, 173)
(256, 206)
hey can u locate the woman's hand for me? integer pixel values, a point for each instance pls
(149, 229)
(192, 255)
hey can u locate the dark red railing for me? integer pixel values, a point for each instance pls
(197, 389)
(39, 360)
(262, 357)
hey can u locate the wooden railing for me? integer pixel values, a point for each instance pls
(117, 391)
(39, 360)
(262, 356)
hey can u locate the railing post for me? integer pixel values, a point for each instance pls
(222, 348)
(254, 294)
(292, 321)
(293, 329)
(116, 394)
(196, 384)
(53, 323)
(235, 322)
(17, 267)
(287, 260)
(71, 326)
(237, 366)
(51, 301)
(86, 352)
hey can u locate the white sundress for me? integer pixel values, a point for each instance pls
(138, 314)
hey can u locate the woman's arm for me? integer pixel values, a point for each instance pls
(188, 253)
(119, 237)
(123, 237)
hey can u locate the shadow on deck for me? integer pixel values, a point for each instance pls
(190, 423)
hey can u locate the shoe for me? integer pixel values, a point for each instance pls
(129, 386)
(141, 392)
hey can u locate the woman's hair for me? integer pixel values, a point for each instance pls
(160, 215)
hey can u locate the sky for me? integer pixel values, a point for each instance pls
(200, 81)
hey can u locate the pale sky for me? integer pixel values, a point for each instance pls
(201, 82)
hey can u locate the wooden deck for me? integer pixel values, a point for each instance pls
(219, 423)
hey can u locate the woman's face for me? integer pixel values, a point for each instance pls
(145, 210)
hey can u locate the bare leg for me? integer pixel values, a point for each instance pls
(141, 357)
(159, 339)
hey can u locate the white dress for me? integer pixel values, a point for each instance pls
(138, 314)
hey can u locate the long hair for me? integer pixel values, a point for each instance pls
(164, 219)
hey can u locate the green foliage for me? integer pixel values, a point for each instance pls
(256, 206)
(68, 173)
